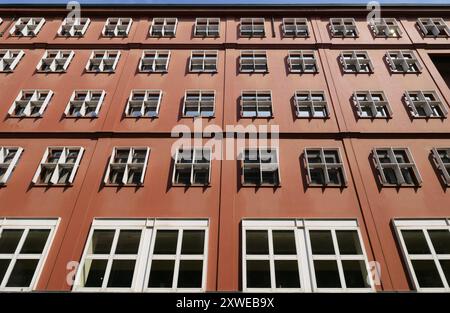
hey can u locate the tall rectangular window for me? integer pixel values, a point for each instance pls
(260, 166)
(207, 27)
(253, 62)
(192, 167)
(85, 103)
(324, 167)
(55, 61)
(154, 61)
(372, 104)
(117, 27)
(256, 104)
(163, 27)
(295, 27)
(252, 27)
(74, 27)
(103, 61)
(425, 104)
(9, 59)
(30, 103)
(311, 104)
(203, 61)
(127, 166)
(27, 26)
(441, 158)
(143, 103)
(433, 27)
(343, 27)
(403, 62)
(302, 61)
(9, 157)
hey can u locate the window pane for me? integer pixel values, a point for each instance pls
(441, 240)
(22, 274)
(355, 274)
(128, 242)
(284, 242)
(426, 273)
(257, 242)
(321, 242)
(121, 274)
(190, 274)
(327, 275)
(445, 264)
(286, 274)
(35, 241)
(102, 241)
(3, 267)
(258, 274)
(415, 242)
(166, 242)
(348, 241)
(193, 242)
(9, 238)
(161, 274)
(94, 271)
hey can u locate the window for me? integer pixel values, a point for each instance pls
(143, 103)
(433, 27)
(127, 166)
(403, 62)
(253, 62)
(199, 103)
(30, 103)
(163, 27)
(103, 61)
(58, 166)
(207, 27)
(441, 158)
(260, 167)
(9, 59)
(295, 27)
(192, 167)
(343, 27)
(396, 167)
(311, 104)
(372, 104)
(144, 255)
(203, 61)
(386, 27)
(256, 104)
(252, 27)
(117, 27)
(425, 246)
(278, 255)
(24, 245)
(324, 167)
(74, 27)
(154, 61)
(425, 104)
(27, 26)
(85, 103)
(55, 61)
(302, 61)
(9, 157)
(356, 62)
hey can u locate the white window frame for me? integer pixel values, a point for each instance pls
(127, 166)
(85, 103)
(144, 257)
(423, 225)
(403, 61)
(193, 165)
(153, 57)
(302, 58)
(204, 59)
(120, 28)
(432, 27)
(356, 61)
(11, 164)
(325, 167)
(443, 167)
(425, 103)
(255, 59)
(60, 164)
(143, 103)
(258, 103)
(27, 225)
(261, 166)
(103, 60)
(347, 31)
(10, 59)
(295, 27)
(372, 103)
(166, 29)
(53, 58)
(311, 103)
(200, 102)
(207, 27)
(27, 26)
(386, 27)
(29, 104)
(251, 27)
(74, 27)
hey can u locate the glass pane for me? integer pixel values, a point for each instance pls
(355, 274)
(128, 242)
(3, 267)
(22, 273)
(190, 274)
(445, 264)
(257, 242)
(35, 242)
(415, 242)
(193, 242)
(348, 242)
(166, 242)
(427, 274)
(441, 240)
(284, 242)
(321, 242)
(161, 274)
(327, 275)
(121, 274)
(286, 274)
(102, 241)
(258, 274)
(94, 272)
(9, 239)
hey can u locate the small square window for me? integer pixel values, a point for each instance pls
(203, 61)
(154, 61)
(143, 103)
(372, 104)
(403, 62)
(433, 27)
(74, 27)
(260, 167)
(386, 27)
(199, 103)
(192, 167)
(30, 103)
(324, 167)
(27, 26)
(207, 27)
(127, 166)
(256, 104)
(425, 104)
(117, 27)
(343, 27)
(252, 27)
(310, 104)
(302, 61)
(103, 61)
(9, 157)
(85, 103)
(356, 62)
(295, 27)
(9, 59)
(253, 62)
(55, 61)
(163, 27)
